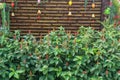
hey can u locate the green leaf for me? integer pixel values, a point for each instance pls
(20, 71)
(11, 74)
(78, 58)
(12, 69)
(16, 75)
(51, 77)
(41, 78)
(73, 78)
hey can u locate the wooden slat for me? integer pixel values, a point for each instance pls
(54, 14)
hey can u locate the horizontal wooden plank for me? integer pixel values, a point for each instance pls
(54, 14)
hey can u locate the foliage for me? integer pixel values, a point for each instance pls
(1, 6)
(113, 11)
(87, 55)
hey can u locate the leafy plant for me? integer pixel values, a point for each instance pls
(113, 12)
(15, 73)
(60, 55)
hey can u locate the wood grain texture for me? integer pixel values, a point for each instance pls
(53, 15)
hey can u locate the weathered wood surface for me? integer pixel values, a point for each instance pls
(54, 14)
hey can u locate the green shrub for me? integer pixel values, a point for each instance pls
(87, 55)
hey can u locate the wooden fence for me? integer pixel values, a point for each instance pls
(54, 14)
